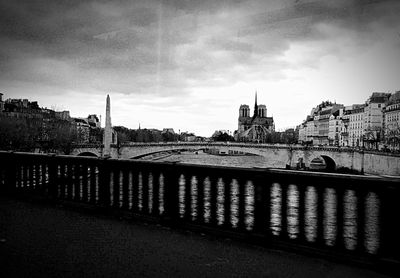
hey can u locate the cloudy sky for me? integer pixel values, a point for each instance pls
(189, 64)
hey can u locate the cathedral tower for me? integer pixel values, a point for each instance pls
(262, 111)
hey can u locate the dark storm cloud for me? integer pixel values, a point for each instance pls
(142, 46)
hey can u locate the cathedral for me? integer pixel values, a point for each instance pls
(256, 128)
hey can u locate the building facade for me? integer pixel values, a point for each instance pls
(1, 103)
(391, 122)
(335, 122)
(322, 126)
(356, 125)
(344, 127)
(373, 119)
(371, 125)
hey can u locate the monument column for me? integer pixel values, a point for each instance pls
(107, 139)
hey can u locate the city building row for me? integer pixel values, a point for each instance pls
(88, 130)
(23, 108)
(372, 125)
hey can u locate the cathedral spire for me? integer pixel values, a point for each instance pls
(255, 107)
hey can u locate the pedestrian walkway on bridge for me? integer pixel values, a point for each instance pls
(45, 240)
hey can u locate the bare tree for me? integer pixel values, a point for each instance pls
(393, 136)
(372, 137)
(20, 134)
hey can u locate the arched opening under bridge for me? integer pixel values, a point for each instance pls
(88, 154)
(323, 163)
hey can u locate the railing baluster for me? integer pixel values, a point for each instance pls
(45, 177)
(188, 197)
(11, 170)
(262, 210)
(361, 194)
(85, 182)
(125, 189)
(19, 176)
(302, 212)
(116, 188)
(68, 181)
(77, 175)
(135, 190)
(171, 191)
(227, 202)
(93, 184)
(213, 199)
(145, 191)
(104, 184)
(62, 181)
(241, 206)
(284, 210)
(389, 232)
(37, 176)
(320, 214)
(25, 176)
(156, 193)
(52, 177)
(31, 176)
(200, 198)
(339, 218)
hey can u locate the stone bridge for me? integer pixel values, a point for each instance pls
(276, 156)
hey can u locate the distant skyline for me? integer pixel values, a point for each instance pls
(190, 64)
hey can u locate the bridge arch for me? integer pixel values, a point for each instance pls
(323, 162)
(88, 154)
(171, 151)
(330, 163)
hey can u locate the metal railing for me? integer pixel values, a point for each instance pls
(344, 217)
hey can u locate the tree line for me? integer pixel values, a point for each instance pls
(144, 135)
(42, 134)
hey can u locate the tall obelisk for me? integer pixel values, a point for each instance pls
(107, 139)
